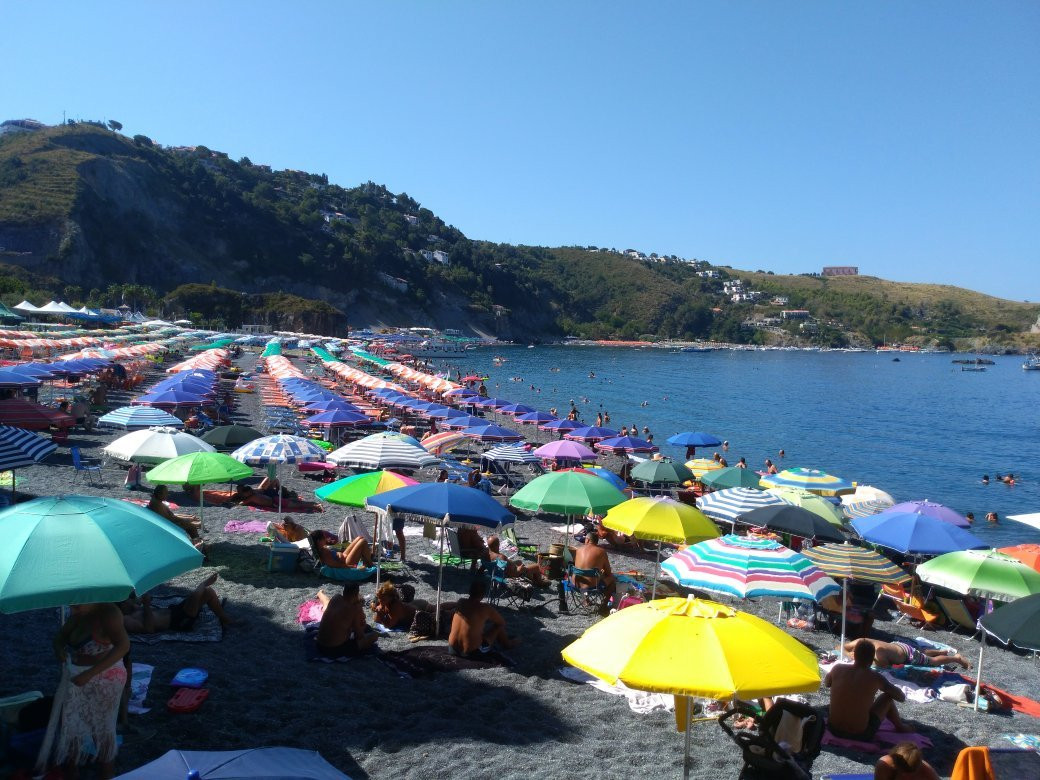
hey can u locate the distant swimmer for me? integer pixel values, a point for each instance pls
(645, 403)
(781, 453)
(725, 445)
(970, 517)
(985, 479)
(992, 518)
(592, 375)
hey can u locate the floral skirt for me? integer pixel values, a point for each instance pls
(89, 715)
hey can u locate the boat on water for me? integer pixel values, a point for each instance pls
(973, 368)
(695, 349)
(1032, 363)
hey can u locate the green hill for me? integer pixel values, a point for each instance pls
(95, 217)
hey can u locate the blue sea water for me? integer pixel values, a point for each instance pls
(919, 428)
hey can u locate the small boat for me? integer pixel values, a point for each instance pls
(973, 368)
(1032, 363)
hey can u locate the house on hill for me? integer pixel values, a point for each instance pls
(841, 270)
(20, 126)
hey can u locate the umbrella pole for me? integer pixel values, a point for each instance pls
(978, 672)
(440, 578)
(279, 490)
(657, 567)
(202, 522)
(844, 609)
(377, 545)
(686, 742)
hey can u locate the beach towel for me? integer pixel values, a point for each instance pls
(207, 627)
(140, 679)
(425, 661)
(245, 527)
(1026, 741)
(638, 701)
(886, 737)
(310, 612)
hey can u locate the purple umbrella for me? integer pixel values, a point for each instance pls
(169, 398)
(567, 450)
(333, 404)
(929, 509)
(590, 433)
(622, 444)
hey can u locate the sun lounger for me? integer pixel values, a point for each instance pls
(957, 614)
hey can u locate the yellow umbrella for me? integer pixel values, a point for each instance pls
(694, 647)
(701, 466)
(810, 502)
(660, 519)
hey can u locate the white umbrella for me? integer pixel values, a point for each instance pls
(154, 445)
(382, 451)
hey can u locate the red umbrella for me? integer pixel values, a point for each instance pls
(21, 413)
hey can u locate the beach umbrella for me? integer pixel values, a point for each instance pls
(560, 425)
(730, 503)
(535, 418)
(64, 550)
(915, 534)
(1029, 554)
(383, 451)
(929, 509)
(985, 574)
(493, 403)
(567, 493)
(511, 453)
(854, 509)
(619, 445)
(356, 489)
(813, 480)
(330, 405)
(810, 501)
(447, 503)
(515, 409)
(491, 433)
(847, 561)
(694, 439)
(694, 647)
(199, 468)
(745, 567)
(17, 379)
(1017, 623)
(730, 477)
(867, 493)
(231, 436)
(336, 418)
(463, 421)
(154, 445)
(128, 417)
(37, 370)
(20, 413)
(280, 448)
(660, 519)
(561, 449)
(170, 398)
(439, 443)
(701, 466)
(795, 520)
(591, 434)
(602, 473)
(265, 763)
(20, 448)
(661, 472)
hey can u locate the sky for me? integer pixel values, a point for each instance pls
(898, 137)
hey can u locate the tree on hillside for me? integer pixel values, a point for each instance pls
(114, 125)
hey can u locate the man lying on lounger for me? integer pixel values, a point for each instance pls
(476, 625)
(139, 617)
(342, 631)
(897, 653)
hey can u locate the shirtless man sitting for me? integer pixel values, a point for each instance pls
(897, 653)
(476, 625)
(529, 571)
(139, 617)
(343, 629)
(854, 711)
(591, 556)
(187, 523)
(356, 552)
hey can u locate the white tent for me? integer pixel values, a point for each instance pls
(25, 306)
(57, 308)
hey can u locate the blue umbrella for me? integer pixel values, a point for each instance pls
(590, 433)
(331, 405)
(169, 398)
(694, 439)
(440, 412)
(517, 409)
(491, 433)
(561, 425)
(493, 403)
(608, 475)
(464, 421)
(913, 533)
(535, 418)
(138, 417)
(15, 379)
(38, 370)
(337, 417)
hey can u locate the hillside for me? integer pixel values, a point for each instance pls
(95, 217)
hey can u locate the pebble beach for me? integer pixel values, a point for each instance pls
(519, 722)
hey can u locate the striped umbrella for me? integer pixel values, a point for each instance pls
(701, 466)
(280, 448)
(813, 480)
(128, 417)
(154, 445)
(849, 562)
(730, 503)
(854, 509)
(746, 568)
(618, 445)
(382, 451)
(439, 443)
(590, 433)
(20, 448)
(511, 453)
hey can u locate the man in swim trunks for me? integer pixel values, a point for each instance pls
(898, 653)
(342, 631)
(476, 625)
(139, 617)
(855, 713)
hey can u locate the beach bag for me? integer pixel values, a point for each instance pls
(133, 478)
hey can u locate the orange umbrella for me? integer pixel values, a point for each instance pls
(1029, 554)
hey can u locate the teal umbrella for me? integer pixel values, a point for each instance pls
(67, 550)
(731, 477)
(662, 471)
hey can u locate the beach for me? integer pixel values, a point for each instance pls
(524, 721)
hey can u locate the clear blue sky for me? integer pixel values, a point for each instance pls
(899, 137)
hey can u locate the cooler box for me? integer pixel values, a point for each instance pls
(283, 557)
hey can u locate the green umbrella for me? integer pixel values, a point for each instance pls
(730, 477)
(231, 436)
(67, 550)
(355, 490)
(658, 471)
(985, 574)
(199, 468)
(567, 493)
(811, 502)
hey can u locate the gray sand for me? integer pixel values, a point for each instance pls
(367, 721)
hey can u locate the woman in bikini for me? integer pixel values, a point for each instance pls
(355, 552)
(94, 642)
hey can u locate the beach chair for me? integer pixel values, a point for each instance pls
(516, 592)
(456, 553)
(919, 614)
(585, 599)
(957, 614)
(526, 550)
(84, 466)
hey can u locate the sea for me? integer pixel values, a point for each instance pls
(918, 427)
